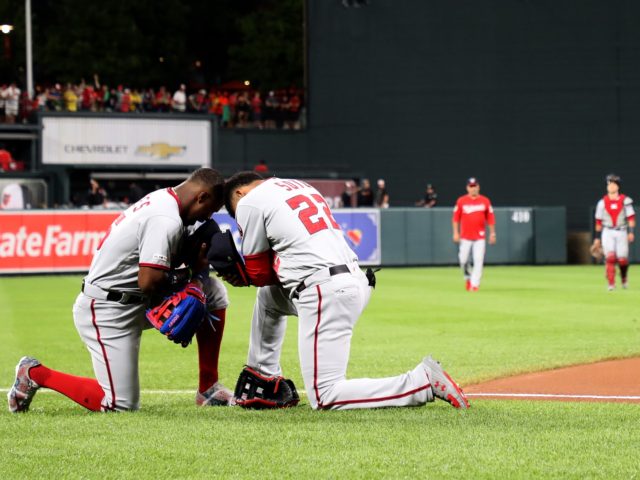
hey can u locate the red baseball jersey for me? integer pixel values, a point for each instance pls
(473, 215)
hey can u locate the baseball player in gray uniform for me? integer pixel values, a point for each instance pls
(615, 221)
(131, 266)
(296, 253)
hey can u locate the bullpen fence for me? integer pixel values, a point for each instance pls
(49, 241)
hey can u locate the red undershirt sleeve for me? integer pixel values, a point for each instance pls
(260, 269)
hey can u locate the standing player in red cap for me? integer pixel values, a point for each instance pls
(615, 221)
(471, 215)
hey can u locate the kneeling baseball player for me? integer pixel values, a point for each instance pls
(130, 287)
(295, 252)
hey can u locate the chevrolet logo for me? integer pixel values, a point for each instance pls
(160, 150)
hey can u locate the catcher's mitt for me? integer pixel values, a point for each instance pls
(179, 315)
(256, 390)
(596, 251)
(224, 257)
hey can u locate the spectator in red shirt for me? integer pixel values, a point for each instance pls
(88, 99)
(125, 101)
(163, 99)
(471, 215)
(6, 160)
(262, 168)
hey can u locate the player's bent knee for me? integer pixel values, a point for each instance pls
(323, 397)
(623, 261)
(123, 408)
(121, 405)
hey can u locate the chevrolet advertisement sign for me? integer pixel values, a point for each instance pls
(78, 140)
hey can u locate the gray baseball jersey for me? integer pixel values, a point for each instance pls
(614, 213)
(291, 218)
(147, 234)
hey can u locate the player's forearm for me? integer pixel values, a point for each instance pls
(598, 226)
(152, 280)
(260, 269)
(456, 228)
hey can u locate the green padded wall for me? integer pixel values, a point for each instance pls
(526, 235)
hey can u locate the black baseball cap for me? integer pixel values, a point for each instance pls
(472, 182)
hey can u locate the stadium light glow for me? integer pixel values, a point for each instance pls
(6, 28)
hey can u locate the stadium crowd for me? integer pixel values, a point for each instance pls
(239, 107)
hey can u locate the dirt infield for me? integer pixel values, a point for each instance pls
(609, 381)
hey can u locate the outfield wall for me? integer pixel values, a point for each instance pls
(49, 241)
(526, 235)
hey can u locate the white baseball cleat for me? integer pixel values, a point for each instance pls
(611, 288)
(216, 396)
(443, 385)
(24, 388)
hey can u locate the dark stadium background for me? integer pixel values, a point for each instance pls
(539, 100)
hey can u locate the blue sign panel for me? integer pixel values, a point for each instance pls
(361, 229)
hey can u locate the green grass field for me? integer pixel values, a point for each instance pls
(523, 319)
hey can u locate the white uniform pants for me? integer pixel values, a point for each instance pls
(472, 249)
(112, 332)
(327, 313)
(615, 241)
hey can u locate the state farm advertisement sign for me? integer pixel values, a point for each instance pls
(51, 241)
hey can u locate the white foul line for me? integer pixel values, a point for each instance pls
(499, 395)
(144, 392)
(554, 395)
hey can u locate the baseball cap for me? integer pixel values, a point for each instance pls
(472, 181)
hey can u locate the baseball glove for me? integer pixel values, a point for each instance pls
(179, 315)
(256, 390)
(596, 251)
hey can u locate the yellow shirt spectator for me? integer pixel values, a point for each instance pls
(136, 101)
(70, 100)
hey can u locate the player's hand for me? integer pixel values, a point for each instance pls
(456, 237)
(631, 236)
(233, 279)
(492, 239)
(596, 241)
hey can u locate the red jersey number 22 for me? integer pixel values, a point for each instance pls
(310, 217)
